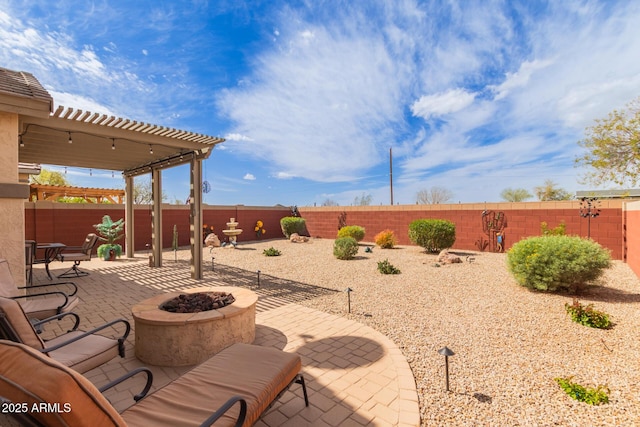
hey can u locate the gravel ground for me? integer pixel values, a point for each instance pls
(510, 343)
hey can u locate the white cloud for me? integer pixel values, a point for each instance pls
(249, 177)
(236, 137)
(442, 103)
(518, 79)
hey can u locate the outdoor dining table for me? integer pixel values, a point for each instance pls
(51, 252)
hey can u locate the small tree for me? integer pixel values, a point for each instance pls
(364, 200)
(329, 202)
(613, 148)
(515, 195)
(47, 177)
(434, 196)
(550, 191)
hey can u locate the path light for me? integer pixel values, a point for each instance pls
(446, 352)
(258, 277)
(213, 268)
(348, 291)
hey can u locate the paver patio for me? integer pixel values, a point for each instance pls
(355, 375)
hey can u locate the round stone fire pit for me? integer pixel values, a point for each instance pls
(179, 339)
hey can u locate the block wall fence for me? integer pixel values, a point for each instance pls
(616, 228)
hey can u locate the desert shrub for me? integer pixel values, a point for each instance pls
(560, 230)
(271, 252)
(551, 263)
(293, 224)
(592, 396)
(385, 267)
(587, 316)
(354, 231)
(433, 234)
(345, 247)
(386, 239)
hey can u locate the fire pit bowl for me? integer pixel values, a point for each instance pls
(164, 338)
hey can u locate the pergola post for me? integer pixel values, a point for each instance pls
(195, 218)
(128, 215)
(156, 222)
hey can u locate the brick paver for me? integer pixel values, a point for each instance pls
(355, 375)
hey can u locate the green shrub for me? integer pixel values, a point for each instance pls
(560, 230)
(271, 252)
(385, 267)
(587, 316)
(550, 263)
(592, 396)
(345, 247)
(386, 239)
(433, 234)
(293, 224)
(354, 231)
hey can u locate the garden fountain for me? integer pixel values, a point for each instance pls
(232, 232)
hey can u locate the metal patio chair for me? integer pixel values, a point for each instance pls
(77, 254)
(79, 350)
(38, 305)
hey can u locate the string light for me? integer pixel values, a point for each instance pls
(150, 149)
(113, 143)
(70, 140)
(90, 172)
(21, 141)
(65, 170)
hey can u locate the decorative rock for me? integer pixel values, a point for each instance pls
(296, 238)
(446, 258)
(212, 241)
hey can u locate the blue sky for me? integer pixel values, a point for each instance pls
(311, 95)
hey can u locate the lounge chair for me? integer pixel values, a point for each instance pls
(38, 305)
(76, 349)
(235, 387)
(77, 254)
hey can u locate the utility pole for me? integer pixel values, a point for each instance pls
(391, 174)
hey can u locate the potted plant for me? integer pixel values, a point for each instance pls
(109, 232)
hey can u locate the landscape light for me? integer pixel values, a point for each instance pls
(446, 352)
(348, 291)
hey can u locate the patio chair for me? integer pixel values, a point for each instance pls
(38, 305)
(79, 350)
(29, 259)
(77, 254)
(233, 388)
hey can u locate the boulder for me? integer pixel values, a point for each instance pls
(296, 238)
(212, 241)
(444, 257)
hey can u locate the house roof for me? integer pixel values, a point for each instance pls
(22, 93)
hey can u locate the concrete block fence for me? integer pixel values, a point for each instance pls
(617, 227)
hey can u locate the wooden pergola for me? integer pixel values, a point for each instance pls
(90, 195)
(72, 137)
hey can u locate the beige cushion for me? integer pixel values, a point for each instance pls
(84, 354)
(27, 376)
(20, 324)
(46, 306)
(255, 373)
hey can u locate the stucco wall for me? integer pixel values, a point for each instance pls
(11, 208)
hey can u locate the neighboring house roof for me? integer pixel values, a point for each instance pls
(22, 93)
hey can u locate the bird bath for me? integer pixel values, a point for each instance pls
(232, 232)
